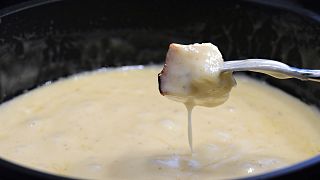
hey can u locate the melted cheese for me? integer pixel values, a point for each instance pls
(192, 75)
(115, 125)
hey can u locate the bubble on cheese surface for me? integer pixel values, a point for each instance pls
(191, 74)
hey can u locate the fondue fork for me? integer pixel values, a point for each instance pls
(273, 68)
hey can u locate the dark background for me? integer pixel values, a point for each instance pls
(308, 4)
(6, 3)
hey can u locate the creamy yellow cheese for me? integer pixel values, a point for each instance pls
(114, 125)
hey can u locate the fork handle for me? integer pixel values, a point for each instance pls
(271, 67)
(310, 75)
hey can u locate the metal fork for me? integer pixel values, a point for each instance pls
(273, 68)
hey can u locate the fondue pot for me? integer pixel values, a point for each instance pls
(44, 40)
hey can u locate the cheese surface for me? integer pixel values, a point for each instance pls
(113, 124)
